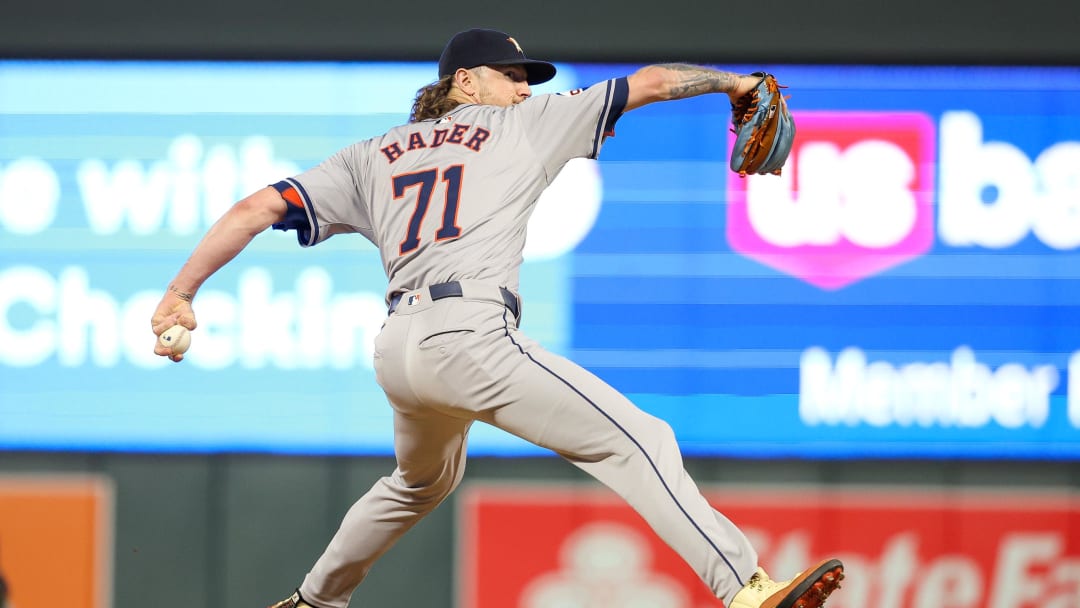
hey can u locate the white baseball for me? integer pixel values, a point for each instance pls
(177, 337)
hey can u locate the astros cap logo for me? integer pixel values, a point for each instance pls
(516, 45)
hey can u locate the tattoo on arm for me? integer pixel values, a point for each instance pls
(692, 80)
(183, 295)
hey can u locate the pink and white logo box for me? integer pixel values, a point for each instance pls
(855, 198)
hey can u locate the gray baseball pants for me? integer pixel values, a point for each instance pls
(447, 363)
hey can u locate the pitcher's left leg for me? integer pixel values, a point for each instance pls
(560, 405)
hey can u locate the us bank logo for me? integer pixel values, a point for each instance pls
(855, 199)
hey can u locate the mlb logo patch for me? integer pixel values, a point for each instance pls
(413, 299)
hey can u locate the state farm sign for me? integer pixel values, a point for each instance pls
(581, 546)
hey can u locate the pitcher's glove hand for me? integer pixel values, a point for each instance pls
(763, 128)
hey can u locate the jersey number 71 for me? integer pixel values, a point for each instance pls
(426, 180)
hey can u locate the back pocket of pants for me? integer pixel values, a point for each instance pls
(445, 338)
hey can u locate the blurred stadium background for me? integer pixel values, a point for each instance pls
(886, 338)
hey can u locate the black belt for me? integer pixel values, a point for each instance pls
(453, 290)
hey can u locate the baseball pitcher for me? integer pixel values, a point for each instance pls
(446, 198)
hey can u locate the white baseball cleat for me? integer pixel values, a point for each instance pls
(809, 589)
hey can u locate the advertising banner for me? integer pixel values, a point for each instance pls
(542, 546)
(908, 286)
(56, 541)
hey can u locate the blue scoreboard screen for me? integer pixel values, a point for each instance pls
(908, 287)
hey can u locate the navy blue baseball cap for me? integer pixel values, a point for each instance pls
(477, 47)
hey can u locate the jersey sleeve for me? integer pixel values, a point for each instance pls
(326, 199)
(573, 124)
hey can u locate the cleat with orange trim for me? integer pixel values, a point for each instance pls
(293, 601)
(809, 589)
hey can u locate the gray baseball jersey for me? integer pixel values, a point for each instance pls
(448, 200)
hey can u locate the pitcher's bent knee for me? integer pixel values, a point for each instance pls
(422, 494)
(652, 432)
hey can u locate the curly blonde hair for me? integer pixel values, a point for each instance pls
(433, 100)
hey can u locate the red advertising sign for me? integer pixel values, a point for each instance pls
(581, 546)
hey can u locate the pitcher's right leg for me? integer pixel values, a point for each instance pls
(431, 461)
